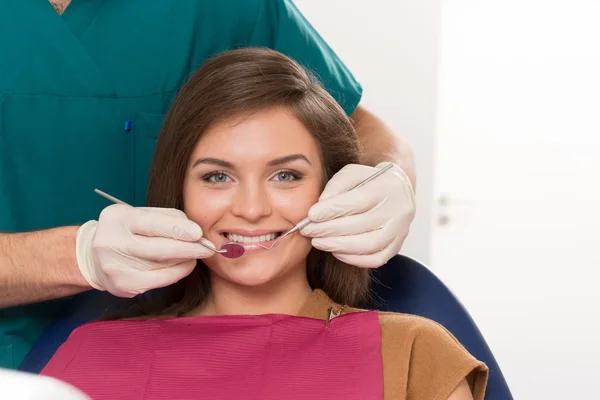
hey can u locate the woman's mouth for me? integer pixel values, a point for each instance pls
(250, 242)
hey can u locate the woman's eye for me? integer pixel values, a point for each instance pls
(217, 177)
(286, 176)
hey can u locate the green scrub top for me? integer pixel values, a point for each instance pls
(83, 96)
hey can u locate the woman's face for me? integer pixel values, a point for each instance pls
(248, 180)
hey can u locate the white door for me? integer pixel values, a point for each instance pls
(517, 235)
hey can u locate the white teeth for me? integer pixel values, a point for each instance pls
(246, 239)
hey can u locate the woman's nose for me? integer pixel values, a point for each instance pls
(251, 203)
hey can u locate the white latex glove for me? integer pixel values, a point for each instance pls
(366, 226)
(130, 250)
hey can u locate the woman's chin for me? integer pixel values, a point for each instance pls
(261, 268)
(250, 276)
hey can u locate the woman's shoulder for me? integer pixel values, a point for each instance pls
(438, 362)
(422, 357)
(414, 327)
(400, 327)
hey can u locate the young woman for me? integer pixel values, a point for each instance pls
(245, 150)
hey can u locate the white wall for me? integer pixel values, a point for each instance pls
(519, 135)
(391, 46)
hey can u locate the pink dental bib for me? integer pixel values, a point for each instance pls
(225, 357)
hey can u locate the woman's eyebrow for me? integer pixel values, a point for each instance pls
(213, 161)
(286, 159)
(228, 164)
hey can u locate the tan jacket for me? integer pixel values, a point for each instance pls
(421, 359)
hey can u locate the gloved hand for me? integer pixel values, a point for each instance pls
(130, 250)
(366, 226)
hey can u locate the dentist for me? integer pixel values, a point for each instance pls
(82, 100)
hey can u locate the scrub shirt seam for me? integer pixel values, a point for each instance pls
(261, 6)
(91, 24)
(88, 96)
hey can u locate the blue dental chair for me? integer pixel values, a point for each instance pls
(402, 285)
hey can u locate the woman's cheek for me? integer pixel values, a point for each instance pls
(205, 207)
(293, 205)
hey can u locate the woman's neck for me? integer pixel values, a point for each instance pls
(285, 296)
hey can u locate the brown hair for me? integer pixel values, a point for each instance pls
(237, 83)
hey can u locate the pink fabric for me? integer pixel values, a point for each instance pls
(225, 357)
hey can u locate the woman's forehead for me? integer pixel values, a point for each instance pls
(265, 134)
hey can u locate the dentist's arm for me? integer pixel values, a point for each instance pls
(380, 144)
(38, 266)
(126, 252)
